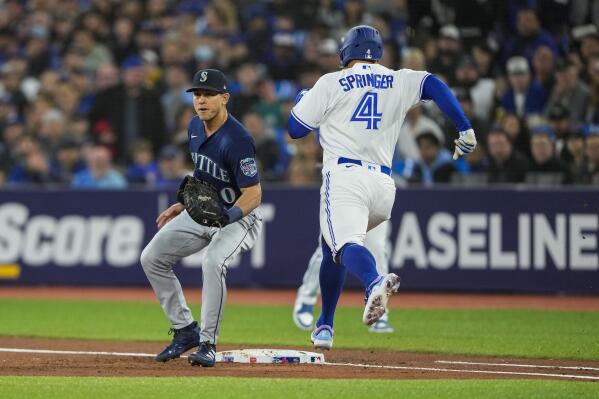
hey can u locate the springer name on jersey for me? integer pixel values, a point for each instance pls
(370, 102)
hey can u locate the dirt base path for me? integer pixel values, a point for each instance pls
(348, 298)
(366, 364)
(363, 363)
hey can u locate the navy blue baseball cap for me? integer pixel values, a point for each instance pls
(209, 79)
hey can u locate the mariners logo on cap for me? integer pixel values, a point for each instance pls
(203, 76)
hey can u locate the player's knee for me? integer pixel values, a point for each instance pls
(327, 252)
(212, 263)
(343, 249)
(146, 258)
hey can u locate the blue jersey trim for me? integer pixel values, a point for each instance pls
(328, 211)
(301, 121)
(422, 85)
(296, 127)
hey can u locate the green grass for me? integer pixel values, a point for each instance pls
(525, 333)
(217, 387)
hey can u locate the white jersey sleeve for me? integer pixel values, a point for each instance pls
(312, 107)
(410, 87)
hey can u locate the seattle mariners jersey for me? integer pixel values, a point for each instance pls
(227, 159)
(359, 110)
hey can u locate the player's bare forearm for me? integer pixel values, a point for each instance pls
(250, 198)
(169, 213)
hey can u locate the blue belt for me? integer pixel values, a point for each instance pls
(384, 169)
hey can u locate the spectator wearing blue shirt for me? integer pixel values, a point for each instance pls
(530, 36)
(32, 166)
(99, 173)
(143, 169)
(171, 167)
(525, 96)
(435, 164)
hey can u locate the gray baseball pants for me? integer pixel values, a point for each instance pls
(182, 237)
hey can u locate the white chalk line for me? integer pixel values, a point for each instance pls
(55, 352)
(412, 368)
(534, 366)
(406, 368)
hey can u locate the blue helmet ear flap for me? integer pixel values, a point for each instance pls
(361, 42)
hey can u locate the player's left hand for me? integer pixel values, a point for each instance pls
(465, 144)
(203, 204)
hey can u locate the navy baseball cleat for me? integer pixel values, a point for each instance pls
(377, 296)
(205, 356)
(183, 340)
(322, 337)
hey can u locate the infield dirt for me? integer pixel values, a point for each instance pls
(407, 365)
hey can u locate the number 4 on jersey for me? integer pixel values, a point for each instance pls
(367, 111)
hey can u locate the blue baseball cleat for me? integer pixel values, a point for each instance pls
(377, 297)
(205, 356)
(303, 315)
(322, 337)
(184, 339)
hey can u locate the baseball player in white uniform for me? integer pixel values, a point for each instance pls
(359, 110)
(378, 242)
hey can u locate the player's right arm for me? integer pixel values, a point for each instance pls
(309, 109)
(177, 207)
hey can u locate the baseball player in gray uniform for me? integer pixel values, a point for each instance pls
(378, 242)
(224, 156)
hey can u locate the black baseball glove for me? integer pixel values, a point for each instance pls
(203, 203)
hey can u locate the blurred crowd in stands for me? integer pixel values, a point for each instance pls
(92, 92)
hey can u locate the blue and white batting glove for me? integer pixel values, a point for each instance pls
(465, 144)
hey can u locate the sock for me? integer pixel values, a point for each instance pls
(358, 260)
(332, 277)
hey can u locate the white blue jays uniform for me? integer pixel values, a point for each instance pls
(358, 111)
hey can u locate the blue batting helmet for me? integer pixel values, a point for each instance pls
(361, 42)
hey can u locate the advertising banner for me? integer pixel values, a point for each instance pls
(441, 239)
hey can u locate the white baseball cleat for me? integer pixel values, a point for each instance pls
(303, 316)
(380, 291)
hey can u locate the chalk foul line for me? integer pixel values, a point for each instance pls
(534, 366)
(385, 367)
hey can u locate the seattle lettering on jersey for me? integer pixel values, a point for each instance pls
(207, 165)
(374, 80)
